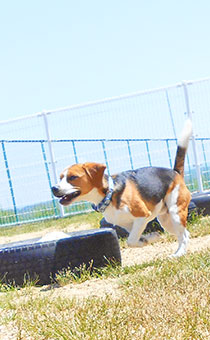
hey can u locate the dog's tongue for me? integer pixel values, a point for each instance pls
(65, 200)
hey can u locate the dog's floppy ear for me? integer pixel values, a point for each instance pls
(95, 171)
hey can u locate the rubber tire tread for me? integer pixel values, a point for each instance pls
(31, 259)
(24, 262)
(99, 247)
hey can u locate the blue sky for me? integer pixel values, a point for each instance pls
(59, 53)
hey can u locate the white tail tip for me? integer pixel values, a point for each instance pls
(186, 133)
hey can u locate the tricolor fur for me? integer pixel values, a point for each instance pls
(138, 197)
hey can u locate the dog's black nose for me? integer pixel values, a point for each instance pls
(55, 190)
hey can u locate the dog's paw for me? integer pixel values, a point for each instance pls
(177, 254)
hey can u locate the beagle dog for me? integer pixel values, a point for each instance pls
(133, 198)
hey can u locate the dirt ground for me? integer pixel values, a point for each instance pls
(130, 256)
(102, 287)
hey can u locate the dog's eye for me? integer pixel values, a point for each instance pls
(72, 178)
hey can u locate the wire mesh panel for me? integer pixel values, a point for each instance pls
(203, 148)
(134, 116)
(28, 181)
(199, 94)
(126, 132)
(28, 128)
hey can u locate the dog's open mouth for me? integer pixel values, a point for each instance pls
(67, 199)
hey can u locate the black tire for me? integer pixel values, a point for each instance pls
(153, 226)
(202, 203)
(33, 260)
(192, 210)
(121, 232)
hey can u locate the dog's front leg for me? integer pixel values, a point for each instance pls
(138, 227)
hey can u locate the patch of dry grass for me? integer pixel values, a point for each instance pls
(166, 300)
(161, 299)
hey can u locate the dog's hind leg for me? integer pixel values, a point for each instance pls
(183, 239)
(171, 223)
(175, 219)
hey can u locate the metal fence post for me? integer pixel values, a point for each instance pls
(105, 156)
(148, 153)
(51, 153)
(171, 114)
(48, 176)
(169, 153)
(75, 151)
(195, 153)
(10, 181)
(130, 154)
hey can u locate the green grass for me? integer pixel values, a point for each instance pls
(60, 224)
(83, 273)
(160, 299)
(198, 226)
(41, 211)
(164, 300)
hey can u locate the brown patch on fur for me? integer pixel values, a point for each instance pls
(131, 198)
(81, 182)
(95, 172)
(183, 203)
(178, 179)
(184, 198)
(89, 176)
(171, 187)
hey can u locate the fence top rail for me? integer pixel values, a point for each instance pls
(88, 140)
(96, 140)
(103, 101)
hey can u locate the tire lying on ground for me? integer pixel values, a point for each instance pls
(40, 259)
(153, 226)
(202, 203)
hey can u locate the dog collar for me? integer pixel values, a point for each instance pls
(101, 207)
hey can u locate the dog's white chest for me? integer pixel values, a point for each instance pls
(121, 217)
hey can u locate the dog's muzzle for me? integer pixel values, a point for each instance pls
(56, 191)
(65, 198)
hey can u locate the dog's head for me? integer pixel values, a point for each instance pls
(79, 180)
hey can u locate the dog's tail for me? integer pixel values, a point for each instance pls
(182, 147)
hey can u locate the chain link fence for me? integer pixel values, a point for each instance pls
(125, 132)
